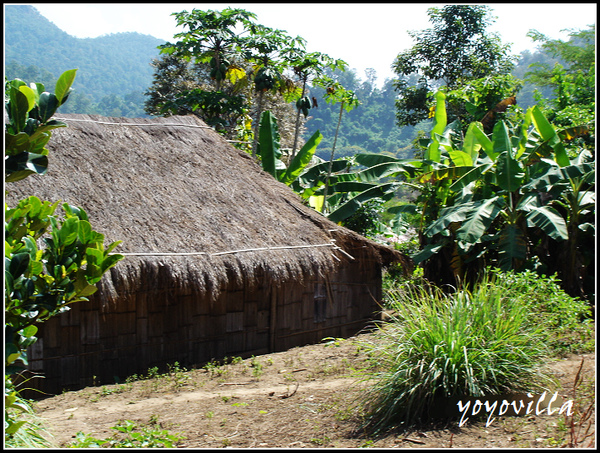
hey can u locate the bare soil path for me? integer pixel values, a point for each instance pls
(301, 398)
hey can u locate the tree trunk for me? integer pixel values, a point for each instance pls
(331, 158)
(297, 132)
(257, 122)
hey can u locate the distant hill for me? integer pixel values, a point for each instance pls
(114, 72)
(111, 68)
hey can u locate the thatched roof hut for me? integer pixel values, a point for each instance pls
(199, 221)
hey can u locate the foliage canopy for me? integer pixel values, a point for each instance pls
(456, 50)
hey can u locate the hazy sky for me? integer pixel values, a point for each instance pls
(365, 35)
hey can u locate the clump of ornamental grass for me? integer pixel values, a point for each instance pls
(438, 345)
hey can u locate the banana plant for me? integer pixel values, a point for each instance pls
(306, 174)
(492, 210)
(270, 151)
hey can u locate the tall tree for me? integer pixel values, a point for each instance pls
(172, 75)
(212, 37)
(456, 50)
(310, 67)
(572, 79)
(269, 53)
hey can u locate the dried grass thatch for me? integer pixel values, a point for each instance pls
(172, 185)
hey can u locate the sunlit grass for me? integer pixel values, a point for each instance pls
(33, 433)
(438, 345)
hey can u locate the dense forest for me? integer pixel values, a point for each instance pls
(115, 71)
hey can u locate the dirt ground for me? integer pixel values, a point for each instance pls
(301, 398)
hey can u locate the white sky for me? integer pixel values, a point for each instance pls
(365, 35)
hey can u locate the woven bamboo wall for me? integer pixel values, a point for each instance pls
(92, 345)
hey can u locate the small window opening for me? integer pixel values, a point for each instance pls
(320, 302)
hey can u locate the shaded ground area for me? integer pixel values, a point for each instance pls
(301, 398)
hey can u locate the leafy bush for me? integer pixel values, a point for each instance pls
(567, 321)
(49, 263)
(440, 345)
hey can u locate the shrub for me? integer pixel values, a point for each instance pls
(567, 320)
(440, 345)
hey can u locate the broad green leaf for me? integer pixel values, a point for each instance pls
(30, 95)
(371, 159)
(37, 88)
(524, 133)
(509, 174)
(47, 106)
(15, 144)
(318, 172)
(549, 135)
(112, 246)
(484, 141)
(11, 352)
(512, 246)
(316, 202)
(428, 251)
(573, 132)
(542, 124)
(386, 169)
(501, 139)
(472, 174)
(405, 208)
(460, 158)
(548, 220)
(440, 113)
(22, 165)
(471, 145)
(351, 206)
(351, 186)
(12, 428)
(18, 264)
(63, 85)
(84, 231)
(69, 230)
(445, 173)
(29, 331)
(479, 220)
(587, 199)
(302, 159)
(433, 152)
(268, 135)
(449, 215)
(110, 261)
(19, 108)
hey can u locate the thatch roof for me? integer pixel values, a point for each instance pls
(173, 185)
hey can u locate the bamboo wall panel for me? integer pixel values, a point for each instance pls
(160, 326)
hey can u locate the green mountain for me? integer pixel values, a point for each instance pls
(113, 70)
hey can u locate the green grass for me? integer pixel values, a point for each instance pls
(32, 431)
(451, 345)
(130, 435)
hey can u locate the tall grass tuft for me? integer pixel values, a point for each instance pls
(33, 433)
(442, 346)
